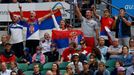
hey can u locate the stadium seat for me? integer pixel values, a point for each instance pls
(23, 66)
(48, 66)
(8, 66)
(63, 65)
(43, 72)
(28, 72)
(110, 63)
(110, 69)
(62, 72)
(46, 58)
(18, 59)
(30, 67)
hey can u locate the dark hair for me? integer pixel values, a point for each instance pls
(92, 54)
(73, 44)
(106, 10)
(65, 23)
(99, 40)
(100, 72)
(73, 56)
(53, 45)
(123, 9)
(89, 9)
(82, 41)
(13, 72)
(130, 40)
(125, 46)
(58, 71)
(8, 44)
(120, 62)
(15, 63)
(36, 64)
(101, 63)
(97, 53)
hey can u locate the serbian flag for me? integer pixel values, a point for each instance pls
(110, 35)
(47, 23)
(63, 37)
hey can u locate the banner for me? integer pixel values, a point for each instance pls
(127, 4)
(13, 7)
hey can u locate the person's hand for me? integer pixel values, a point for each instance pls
(24, 60)
(28, 63)
(20, 7)
(115, 17)
(57, 9)
(51, 11)
(58, 62)
(75, 2)
(93, 7)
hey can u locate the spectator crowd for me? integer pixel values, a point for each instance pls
(97, 53)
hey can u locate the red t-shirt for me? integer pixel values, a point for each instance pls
(105, 21)
(86, 50)
(8, 60)
(67, 54)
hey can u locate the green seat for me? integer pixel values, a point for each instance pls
(28, 72)
(110, 63)
(31, 66)
(43, 72)
(48, 66)
(18, 59)
(23, 66)
(46, 58)
(63, 65)
(110, 69)
(8, 66)
(62, 72)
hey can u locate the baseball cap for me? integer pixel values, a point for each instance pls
(85, 62)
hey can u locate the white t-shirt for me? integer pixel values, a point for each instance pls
(7, 72)
(45, 46)
(16, 33)
(80, 66)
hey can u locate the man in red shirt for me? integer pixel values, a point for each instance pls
(8, 55)
(106, 21)
(84, 48)
(68, 52)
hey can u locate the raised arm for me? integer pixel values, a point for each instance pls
(48, 15)
(11, 15)
(94, 12)
(21, 14)
(78, 13)
(55, 22)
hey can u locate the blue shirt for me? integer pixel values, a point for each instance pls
(126, 59)
(103, 49)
